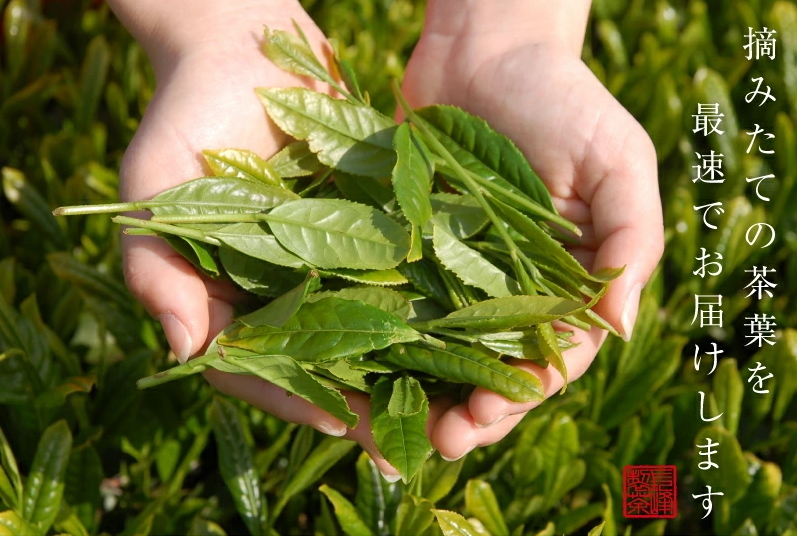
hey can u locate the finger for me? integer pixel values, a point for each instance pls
(634, 236)
(276, 401)
(456, 434)
(488, 408)
(167, 286)
(361, 405)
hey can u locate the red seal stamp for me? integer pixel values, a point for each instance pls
(650, 491)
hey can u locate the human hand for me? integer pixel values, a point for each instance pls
(207, 60)
(518, 67)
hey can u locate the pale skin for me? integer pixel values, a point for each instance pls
(515, 63)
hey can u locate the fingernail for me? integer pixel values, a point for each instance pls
(630, 310)
(177, 335)
(391, 478)
(460, 456)
(491, 423)
(330, 429)
(375, 454)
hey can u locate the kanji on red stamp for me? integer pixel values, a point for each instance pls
(650, 491)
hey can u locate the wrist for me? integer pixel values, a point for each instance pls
(561, 24)
(173, 29)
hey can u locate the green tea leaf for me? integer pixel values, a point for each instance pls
(559, 445)
(12, 483)
(509, 313)
(254, 240)
(285, 372)
(257, 276)
(463, 364)
(90, 280)
(350, 521)
(295, 160)
(57, 395)
(383, 298)
(470, 266)
(83, 478)
(8, 495)
(783, 16)
(370, 498)
(365, 190)
(728, 389)
(383, 278)
(342, 373)
(538, 240)
(481, 502)
(349, 78)
(242, 164)
(353, 138)
(629, 389)
(597, 530)
(326, 330)
(414, 515)
(281, 309)
(290, 53)
(237, 466)
(424, 276)
(199, 254)
(710, 86)
(333, 233)
(218, 195)
(92, 82)
(68, 522)
(482, 150)
(205, 527)
(567, 478)
(412, 182)
(732, 475)
(11, 524)
(443, 479)
(402, 440)
(45, 484)
(549, 346)
(30, 203)
(453, 524)
(461, 215)
(761, 498)
(407, 399)
(328, 452)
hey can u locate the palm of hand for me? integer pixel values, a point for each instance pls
(207, 101)
(591, 154)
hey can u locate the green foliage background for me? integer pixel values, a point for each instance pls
(96, 456)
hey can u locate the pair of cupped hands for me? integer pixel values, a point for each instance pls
(518, 70)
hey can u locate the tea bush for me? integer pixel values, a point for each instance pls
(84, 452)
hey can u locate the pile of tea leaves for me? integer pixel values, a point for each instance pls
(399, 260)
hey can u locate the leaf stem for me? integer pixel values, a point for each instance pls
(111, 208)
(191, 367)
(78, 210)
(168, 229)
(529, 204)
(472, 187)
(238, 217)
(138, 231)
(316, 183)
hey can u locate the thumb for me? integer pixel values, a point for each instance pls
(157, 159)
(169, 288)
(628, 225)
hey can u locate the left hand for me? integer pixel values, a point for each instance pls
(526, 79)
